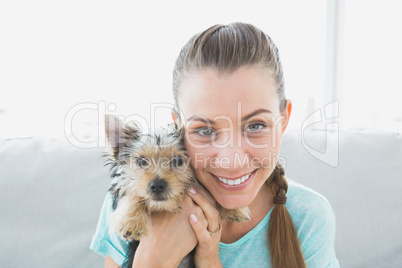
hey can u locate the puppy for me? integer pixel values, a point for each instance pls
(152, 173)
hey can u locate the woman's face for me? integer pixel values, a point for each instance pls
(233, 129)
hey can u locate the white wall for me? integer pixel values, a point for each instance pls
(56, 55)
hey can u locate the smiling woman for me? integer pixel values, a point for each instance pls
(221, 100)
(229, 93)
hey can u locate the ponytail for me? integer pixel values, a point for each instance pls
(283, 243)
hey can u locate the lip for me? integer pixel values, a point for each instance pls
(239, 187)
(239, 177)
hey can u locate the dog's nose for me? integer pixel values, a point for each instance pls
(157, 186)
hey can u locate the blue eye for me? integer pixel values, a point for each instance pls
(204, 131)
(256, 127)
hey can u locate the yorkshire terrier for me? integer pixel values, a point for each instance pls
(153, 174)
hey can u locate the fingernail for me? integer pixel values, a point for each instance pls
(193, 218)
(192, 190)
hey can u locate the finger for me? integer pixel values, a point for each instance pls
(200, 216)
(193, 208)
(200, 188)
(210, 212)
(200, 231)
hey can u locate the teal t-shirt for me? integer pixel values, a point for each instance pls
(312, 216)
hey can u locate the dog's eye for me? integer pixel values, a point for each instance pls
(142, 162)
(177, 161)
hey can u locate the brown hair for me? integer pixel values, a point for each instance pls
(226, 48)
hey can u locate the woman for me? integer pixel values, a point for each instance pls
(228, 86)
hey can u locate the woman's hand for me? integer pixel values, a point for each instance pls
(207, 251)
(170, 237)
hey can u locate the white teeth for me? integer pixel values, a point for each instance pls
(235, 182)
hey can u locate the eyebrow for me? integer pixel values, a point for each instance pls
(206, 120)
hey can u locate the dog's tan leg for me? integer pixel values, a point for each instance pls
(129, 219)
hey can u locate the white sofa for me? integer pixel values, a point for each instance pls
(51, 193)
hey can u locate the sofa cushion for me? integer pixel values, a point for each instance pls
(363, 189)
(51, 194)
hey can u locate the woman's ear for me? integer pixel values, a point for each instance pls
(176, 117)
(286, 115)
(173, 115)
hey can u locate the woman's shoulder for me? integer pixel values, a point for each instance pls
(306, 205)
(315, 224)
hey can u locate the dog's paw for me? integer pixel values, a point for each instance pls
(125, 228)
(130, 236)
(139, 234)
(235, 215)
(126, 235)
(133, 230)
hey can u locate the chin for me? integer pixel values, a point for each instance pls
(233, 202)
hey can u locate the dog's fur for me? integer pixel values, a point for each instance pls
(152, 173)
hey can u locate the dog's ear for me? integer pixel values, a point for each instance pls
(114, 133)
(117, 133)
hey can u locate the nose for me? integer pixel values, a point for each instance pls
(158, 186)
(234, 156)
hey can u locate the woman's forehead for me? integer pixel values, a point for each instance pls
(242, 92)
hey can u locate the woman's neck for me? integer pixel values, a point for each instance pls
(259, 208)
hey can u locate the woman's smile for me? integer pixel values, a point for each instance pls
(234, 184)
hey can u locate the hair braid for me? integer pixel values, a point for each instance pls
(282, 238)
